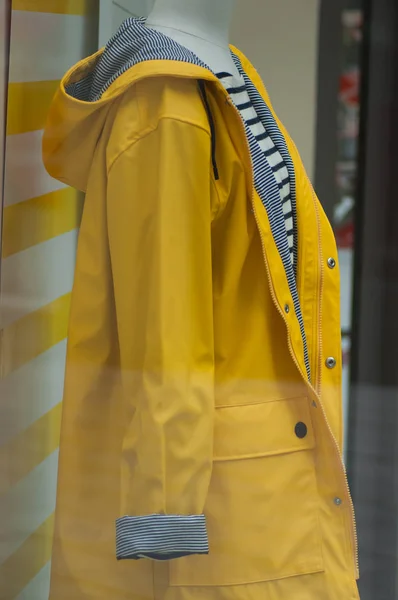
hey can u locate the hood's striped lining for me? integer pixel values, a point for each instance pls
(268, 190)
(132, 44)
(236, 87)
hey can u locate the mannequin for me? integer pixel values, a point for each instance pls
(220, 464)
(202, 26)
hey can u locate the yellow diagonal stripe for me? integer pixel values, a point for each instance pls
(35, 333)
(32, 222)
(28, 105)
(28, 449)
(20, 568)
(65, 7)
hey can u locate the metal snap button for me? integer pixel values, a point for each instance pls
(331, 362)
(301, 430)
(331, 263)
(338, 501)
(287, 309)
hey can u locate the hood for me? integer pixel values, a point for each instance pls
(80, 107)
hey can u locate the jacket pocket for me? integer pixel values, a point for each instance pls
(262, 508)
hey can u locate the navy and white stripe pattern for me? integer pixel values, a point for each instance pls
(269, 191)
(240, 97)
(132, 44)
(161, 537)
(267, 118)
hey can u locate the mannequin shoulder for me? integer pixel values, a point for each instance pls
(155, 98)
(143, 106)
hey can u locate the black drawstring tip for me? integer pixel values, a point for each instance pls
(212, 129)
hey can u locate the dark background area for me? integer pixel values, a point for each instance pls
(373, 426)
(329, 71)
(372, 453)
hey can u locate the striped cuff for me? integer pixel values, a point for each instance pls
(161, 537)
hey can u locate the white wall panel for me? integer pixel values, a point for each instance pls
(36, 279)
(39, 587)
(280, 37)
(346, 260)
(26, 176)
(31, 391)
(37, 276)
(27, 506)
(55, 43)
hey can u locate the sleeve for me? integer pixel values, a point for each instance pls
(159, 228)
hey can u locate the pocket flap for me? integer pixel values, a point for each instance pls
(268, 428)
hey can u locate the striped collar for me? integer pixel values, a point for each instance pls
(269, 193)
(132, 44)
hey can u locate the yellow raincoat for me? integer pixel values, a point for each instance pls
(186, 390)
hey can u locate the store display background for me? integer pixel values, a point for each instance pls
(40, 221)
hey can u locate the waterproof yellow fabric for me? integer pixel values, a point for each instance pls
(185, 371)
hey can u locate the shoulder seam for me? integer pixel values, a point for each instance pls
(148, 131)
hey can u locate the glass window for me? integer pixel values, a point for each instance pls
(198, 288)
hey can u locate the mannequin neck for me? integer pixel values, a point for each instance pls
(202, 26)
(209, 20)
